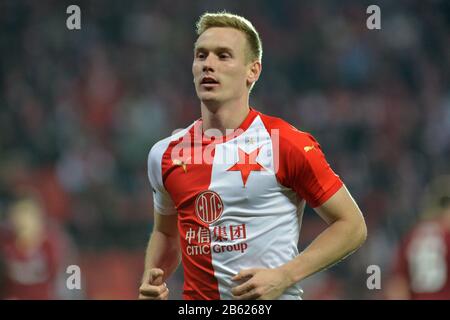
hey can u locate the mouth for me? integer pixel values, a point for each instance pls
(209, 82)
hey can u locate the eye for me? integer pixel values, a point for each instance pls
(201, 55)
(224, 55)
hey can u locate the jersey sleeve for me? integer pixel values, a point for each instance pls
(304, 168)
(161, 198)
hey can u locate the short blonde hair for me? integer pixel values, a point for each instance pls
(224, 19)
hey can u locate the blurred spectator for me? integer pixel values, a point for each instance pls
(422, 266)
(32, 253)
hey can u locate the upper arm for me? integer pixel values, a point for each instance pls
(161, 198)
(166, 224)
(341, 206)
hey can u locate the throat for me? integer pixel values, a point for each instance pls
(223, 120)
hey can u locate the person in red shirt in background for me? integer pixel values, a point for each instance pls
(422, 267)
(30, 253)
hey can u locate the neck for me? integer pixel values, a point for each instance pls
(224, 116)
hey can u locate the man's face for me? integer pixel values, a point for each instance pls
(26, 220)
(220, 68)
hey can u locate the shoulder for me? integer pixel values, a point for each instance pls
(160, 147)
(427, 227)
(289, 136)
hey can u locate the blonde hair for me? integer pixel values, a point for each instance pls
(224, 19)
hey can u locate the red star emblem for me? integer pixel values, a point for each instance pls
(246, 164)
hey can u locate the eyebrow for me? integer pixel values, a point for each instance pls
(197, 49)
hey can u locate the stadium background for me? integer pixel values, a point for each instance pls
(79, 111)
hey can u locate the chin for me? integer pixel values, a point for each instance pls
(208, 97)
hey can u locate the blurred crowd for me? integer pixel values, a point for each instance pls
(79, 111)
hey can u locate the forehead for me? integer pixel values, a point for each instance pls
(221, 37)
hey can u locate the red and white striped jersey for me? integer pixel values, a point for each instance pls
(239, 198)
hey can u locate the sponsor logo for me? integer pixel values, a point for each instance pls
(219, 239)
(208, 206)
(216, 248)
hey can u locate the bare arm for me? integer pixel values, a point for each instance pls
(162, 256)
(163, 250)
(345, 233)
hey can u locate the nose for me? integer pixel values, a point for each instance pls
(207, 68)
(208, 64)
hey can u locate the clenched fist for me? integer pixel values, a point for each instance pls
(153, 287)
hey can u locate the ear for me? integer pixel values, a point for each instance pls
(254, 72)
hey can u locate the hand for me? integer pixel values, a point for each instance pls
(261, 284)
(153, 287)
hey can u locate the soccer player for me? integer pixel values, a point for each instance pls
(421, 269)
(229, 190)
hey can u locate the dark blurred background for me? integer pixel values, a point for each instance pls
(80, 110)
